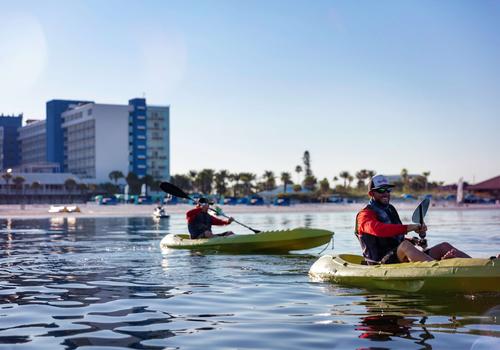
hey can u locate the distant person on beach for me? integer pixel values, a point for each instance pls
(200, 221)
(382, 234)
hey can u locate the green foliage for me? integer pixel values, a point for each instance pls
(204, 180)
(134, 183)
(306, 159)
(310, 182)
(116, 175)
(182, 181)
(269, 180)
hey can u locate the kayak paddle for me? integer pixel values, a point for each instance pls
(418, 217)
(169, 188)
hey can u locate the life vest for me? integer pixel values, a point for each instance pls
(378, 250)
(201, 223)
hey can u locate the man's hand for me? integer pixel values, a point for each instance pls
(422, 231)
(218, 211)
(230, 219)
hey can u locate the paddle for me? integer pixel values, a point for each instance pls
(418, 217)
(169, 188)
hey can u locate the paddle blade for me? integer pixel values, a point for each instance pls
(173, 190)
(419, 213)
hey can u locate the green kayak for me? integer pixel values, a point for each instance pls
(450, 275)
(263, 242)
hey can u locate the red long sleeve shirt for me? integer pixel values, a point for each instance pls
(368, 223)
(190, 215)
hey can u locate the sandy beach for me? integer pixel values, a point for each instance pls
(131, 210)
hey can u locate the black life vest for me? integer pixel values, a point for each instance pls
(201, 223)
(380, 249)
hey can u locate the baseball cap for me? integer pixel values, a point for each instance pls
(378, 181)
(203, 200)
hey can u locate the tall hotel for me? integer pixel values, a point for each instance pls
(91, 139)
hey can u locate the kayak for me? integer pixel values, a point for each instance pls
(451, 275)
(281, 241)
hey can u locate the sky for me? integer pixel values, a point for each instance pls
(380, 85)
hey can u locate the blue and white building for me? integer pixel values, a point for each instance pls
(9, 143)
(91, 140)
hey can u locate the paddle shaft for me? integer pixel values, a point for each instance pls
(422, 241)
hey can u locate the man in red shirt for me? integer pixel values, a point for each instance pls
(200, 221)
(382, 234)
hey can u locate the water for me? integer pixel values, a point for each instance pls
(104, 282)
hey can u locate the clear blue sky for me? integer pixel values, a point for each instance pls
(382, 85)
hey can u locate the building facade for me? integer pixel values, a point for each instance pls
(10, 155)
(158, 141)
(33, 142)
(54, 132)
(96, 140)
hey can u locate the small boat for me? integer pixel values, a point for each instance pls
(57, 209)
(282, 241)
(456, 275)
(159, 213)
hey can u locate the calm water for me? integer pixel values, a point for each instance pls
(104, 282)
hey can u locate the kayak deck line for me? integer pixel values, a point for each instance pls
(450, 275)
(278, 241)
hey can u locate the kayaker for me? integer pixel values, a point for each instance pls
(382, 234)
(200, 221)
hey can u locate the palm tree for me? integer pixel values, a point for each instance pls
(204, 180)
(307, 163)
(192, 176)
(36, 185)
(269, 181)
(220, 179)
(181, 181)
(350, 179)
(18, 181)
(70, 184)
(236, 178)
(286, 178)
(247, 179)
(134, 183)
(7, 177)
(404, 179)
(310, 182)
(426, 174)
(361, 175)
(324, 187)
(344, 175)
(116, 175)
(298, 170)
(149, 181)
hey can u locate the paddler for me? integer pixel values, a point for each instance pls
(382, 234)
(200, 221)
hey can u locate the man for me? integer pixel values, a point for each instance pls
(382, 235)
(200, 221)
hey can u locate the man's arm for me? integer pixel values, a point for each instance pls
(220, 222)
(369, 223)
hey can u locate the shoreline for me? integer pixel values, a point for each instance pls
(39, 211)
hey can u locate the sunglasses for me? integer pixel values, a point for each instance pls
(383, 190)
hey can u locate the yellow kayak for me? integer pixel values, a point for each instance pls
(281, 241)
(450, 275)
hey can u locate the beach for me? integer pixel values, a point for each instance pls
(130, 210)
